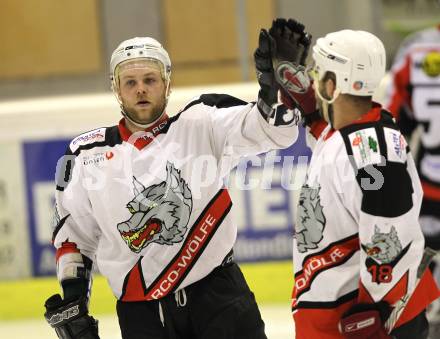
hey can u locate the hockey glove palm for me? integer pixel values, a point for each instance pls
(70, 318)
(365, 321)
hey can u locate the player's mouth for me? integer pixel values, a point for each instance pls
(137, 238)
(143, 103)
(373, 250)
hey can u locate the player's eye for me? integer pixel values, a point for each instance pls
(130, 83)
(150, 81)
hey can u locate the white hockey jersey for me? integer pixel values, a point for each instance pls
(357, 236)
(150, 206)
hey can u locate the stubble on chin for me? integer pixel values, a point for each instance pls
(145, 117)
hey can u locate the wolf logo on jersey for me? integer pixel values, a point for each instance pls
(384, 247)
(160, 213)
(311, 219)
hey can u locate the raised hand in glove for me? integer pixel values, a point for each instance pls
(286, 41)
(292, 41)
(365, 321)
(293, 45)
(70, 318)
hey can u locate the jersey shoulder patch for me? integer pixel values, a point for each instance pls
(396, 145)
(87, 138)
(364, 147)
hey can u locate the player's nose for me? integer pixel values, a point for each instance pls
(141, 88)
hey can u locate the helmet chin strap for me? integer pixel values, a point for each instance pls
(326, 104)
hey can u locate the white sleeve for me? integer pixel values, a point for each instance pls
(76, 232)
(238, 129)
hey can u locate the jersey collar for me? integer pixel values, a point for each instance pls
(373, 114)
(143, 138)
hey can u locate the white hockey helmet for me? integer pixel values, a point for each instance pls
(140, 47)
(357, 58)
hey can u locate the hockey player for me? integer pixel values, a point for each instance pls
(144, 201)
(414, 99)
(358, 242)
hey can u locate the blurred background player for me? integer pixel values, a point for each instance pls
(414, 99)
(163, 241)
(358, 243)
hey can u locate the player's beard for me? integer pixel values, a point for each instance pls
(156, 112)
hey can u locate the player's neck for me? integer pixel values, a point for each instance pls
(347, 112)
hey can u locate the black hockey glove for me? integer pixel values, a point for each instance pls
(263, 56)
(365, 321)
(70, 318)
(292, 41)
(274, 113)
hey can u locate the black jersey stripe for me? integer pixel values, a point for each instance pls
(386, 187)
(216, 100)
(327, 304)
(58, 227)
(112, 138)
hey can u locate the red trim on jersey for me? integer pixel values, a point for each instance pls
(142, 138)
(317, 127)
(334, 255)
(329, 134)
(426, 292)
(66, 247)
(134, 289)
(400, 94)
(372, 115)
(430, 191)
(322, 323)
(398, 290)
(171, 277)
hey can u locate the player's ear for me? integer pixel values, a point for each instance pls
(329, 87)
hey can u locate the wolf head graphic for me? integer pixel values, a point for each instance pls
(310, 221)
(159, 213)
(384, 247)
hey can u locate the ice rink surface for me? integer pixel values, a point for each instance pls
(276, 317)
